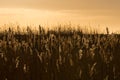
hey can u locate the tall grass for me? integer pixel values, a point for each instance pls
(61, 53)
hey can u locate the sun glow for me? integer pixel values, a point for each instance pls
(26, 17)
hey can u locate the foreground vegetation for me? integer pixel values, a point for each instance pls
(59, 55)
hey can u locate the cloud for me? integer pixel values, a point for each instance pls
(62, 4)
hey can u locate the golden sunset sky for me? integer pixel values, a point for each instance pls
(95, 13)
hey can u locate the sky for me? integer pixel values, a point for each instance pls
(95, 13)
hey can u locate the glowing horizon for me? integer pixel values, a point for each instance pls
(26, 17)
